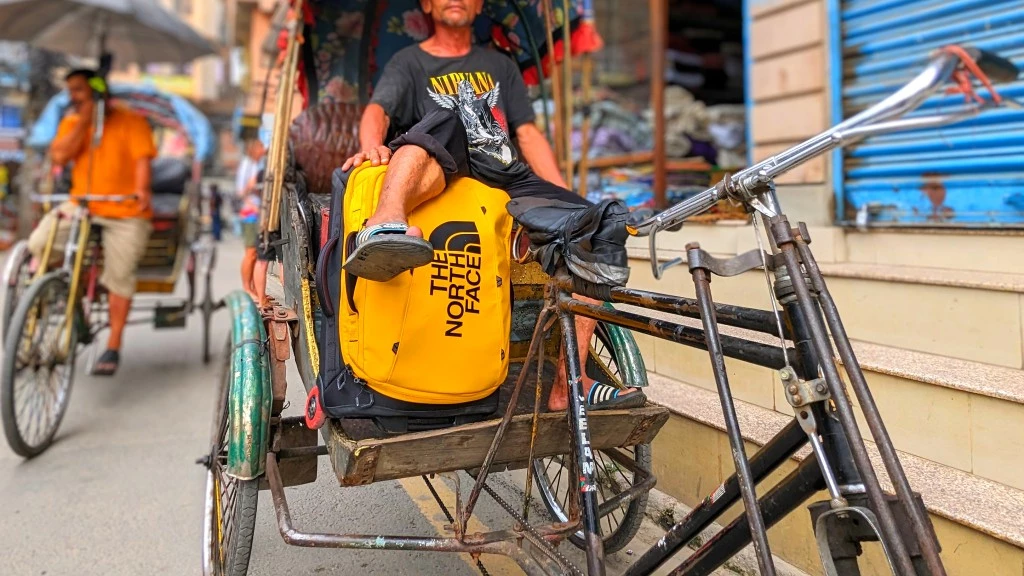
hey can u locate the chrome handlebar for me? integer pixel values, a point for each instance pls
(748, 186)
(83, 198)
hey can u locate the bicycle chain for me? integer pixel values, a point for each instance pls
(537, 539)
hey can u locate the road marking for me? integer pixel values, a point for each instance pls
(424, 500)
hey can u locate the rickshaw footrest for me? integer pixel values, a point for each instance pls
(170, 316)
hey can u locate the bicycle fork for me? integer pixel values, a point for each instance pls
(857, 511)
(74, 253)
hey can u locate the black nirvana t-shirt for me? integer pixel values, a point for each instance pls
(483, 87)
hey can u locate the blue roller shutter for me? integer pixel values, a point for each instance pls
(968, 175)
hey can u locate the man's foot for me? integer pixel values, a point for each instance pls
(385, 250)
(107, 363)
(605, 397)
(599, 397)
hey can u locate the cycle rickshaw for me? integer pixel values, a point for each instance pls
(255, 446)
(50, 313)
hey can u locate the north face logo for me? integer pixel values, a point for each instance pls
(455, 271)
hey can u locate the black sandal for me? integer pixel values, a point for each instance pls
(605, 397)
(111, 359)
(383, 251)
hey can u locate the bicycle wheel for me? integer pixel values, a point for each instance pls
(230, 503)
(16, 279)
(37, 372)
(554, 475)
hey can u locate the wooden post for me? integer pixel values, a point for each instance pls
(556, 86)
(659, 43)
(567, 69)
(587, 79)
(279, 140)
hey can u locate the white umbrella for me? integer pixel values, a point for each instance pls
(139, 31)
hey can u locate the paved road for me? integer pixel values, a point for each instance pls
(119, 493)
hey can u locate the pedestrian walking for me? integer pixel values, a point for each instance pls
(216, 212)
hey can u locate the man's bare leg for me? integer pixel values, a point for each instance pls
(119, 309)
(248, 265)
(259, 280)
(559, 398)
(412, 178)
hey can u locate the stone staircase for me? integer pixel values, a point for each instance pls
(943, 351)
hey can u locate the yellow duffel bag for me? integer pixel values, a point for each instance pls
(438, 334)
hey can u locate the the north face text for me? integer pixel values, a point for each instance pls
(455, 272)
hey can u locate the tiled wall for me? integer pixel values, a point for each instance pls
(788, 80)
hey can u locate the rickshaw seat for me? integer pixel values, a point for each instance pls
(170, 176)
(322, 138)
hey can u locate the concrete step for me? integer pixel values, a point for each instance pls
(959, 413)
(975, 250)
(976, 316)
(977, 520)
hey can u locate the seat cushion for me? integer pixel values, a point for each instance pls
(166, 206)
(170, 175)
(322, 138)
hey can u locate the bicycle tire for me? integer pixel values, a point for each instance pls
(230, 558)
(622, 531)
(26, 448)
(13, 287)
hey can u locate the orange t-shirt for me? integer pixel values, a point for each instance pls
(127, 137)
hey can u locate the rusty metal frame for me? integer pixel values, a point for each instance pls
(502, 542)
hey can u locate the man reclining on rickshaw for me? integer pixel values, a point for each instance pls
(448, 108)
(122, 168)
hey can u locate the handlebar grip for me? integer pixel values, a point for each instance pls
(996, 67)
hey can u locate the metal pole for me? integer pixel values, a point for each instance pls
(890, 532)
(587, 467)
(702, 284)
(797, 487)
(897, 475)
(767, 460)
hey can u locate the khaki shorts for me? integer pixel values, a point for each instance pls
(124, 244)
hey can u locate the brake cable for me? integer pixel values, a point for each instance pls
(962, 76)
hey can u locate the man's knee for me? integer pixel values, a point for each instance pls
(38, 238)
(124, 246)
(441, 138)
(37, 242)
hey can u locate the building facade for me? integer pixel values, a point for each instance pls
(920, 239)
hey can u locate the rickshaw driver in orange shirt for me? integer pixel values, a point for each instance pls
(122, 168)
(443, 136)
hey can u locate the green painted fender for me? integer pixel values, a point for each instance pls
(250, 395)
(627, 354)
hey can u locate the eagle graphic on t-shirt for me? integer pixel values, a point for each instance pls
(486, 134)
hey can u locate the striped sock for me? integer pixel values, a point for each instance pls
(601, 393)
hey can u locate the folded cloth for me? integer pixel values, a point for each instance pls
(590, 241)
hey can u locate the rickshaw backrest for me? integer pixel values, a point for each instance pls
(322, 138)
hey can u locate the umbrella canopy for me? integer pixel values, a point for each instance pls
(139, 31)
(161, 108)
